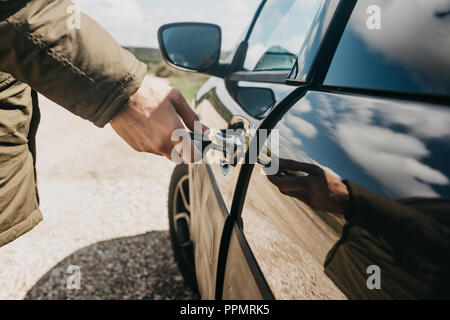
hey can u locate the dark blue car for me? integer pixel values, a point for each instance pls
(355, 93)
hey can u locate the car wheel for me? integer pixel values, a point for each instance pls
(180, 224)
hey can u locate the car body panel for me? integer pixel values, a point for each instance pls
(207, 222)
(274, 246)
(234, 287)
(392, 147)
(220, 103)
(289, 240)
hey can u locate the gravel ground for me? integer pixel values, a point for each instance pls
(93, 188)
(127, 268)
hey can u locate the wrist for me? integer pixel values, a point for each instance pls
(349, 212)
(341, 196)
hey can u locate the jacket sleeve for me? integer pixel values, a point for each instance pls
(84, 70)
(405, 226)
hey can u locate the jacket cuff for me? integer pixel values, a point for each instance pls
(358, 206)
(126, 87)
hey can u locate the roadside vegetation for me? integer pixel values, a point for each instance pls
(188, 83)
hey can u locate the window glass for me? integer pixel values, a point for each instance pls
(313, 40)
(279, 33)
(400, 45)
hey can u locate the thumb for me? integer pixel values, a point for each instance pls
(189, 117)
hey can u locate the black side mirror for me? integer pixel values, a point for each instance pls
(191, 46)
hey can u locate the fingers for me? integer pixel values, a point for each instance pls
(302, 196)
(186, 113)
(186, 151)
(289, 184)
(169, 136)
(299, 166)
(152, 121)
(291, 187)
(183, 147)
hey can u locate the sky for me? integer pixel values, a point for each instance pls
(136, 22)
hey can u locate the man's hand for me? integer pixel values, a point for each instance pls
(319, 189)
(150, 117)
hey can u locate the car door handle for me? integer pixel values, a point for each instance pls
(230, 142)
(229, 139)
(231, 145)
(222, 140)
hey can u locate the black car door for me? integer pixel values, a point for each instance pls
(281, 25)
(260, 66)
(379, 118)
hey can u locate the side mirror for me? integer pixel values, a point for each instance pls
(191, 46)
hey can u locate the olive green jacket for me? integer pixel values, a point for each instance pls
(82, 69)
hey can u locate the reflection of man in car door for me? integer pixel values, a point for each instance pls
(408, 239)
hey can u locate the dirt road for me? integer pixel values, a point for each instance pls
(93, 187)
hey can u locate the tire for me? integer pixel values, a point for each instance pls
(179, 225)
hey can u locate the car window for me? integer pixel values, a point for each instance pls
(279, 33)
(311, 45)
(395, 46)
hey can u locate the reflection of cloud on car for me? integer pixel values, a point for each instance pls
(363, 175)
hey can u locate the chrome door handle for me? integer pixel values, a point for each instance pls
(228, 139)
(231, 143)
(220, 140)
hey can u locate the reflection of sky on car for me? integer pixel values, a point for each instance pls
(411, 51)
(286, 21)
(314, 37)
(392, 143)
